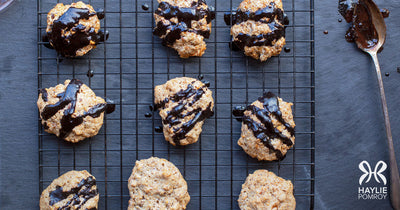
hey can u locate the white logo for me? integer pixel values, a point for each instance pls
(377, 172)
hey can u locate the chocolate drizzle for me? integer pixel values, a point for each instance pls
(81, 194)
(265, 131)
(274, 17)
(177, 112)
(68, 99)
(185, 16)
(43, 91)
(67, 35)
(356, 12)
(238, 112)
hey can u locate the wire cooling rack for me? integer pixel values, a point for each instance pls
(128, 66)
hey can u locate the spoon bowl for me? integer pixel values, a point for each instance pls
(364, 11)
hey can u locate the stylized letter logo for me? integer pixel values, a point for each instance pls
(377, 173)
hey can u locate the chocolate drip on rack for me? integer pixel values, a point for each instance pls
(81, 194)
(176, 113)
(69, 98)
(271, 15)
(185, 16)
(80, 36)
(265, 131)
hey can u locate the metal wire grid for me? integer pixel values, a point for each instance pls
(132, 61)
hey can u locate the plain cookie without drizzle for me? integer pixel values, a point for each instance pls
(263, 190)
(156, 183)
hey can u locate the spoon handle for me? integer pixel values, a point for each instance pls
(394, 171)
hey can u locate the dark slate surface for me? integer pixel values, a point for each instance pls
(350, 124)
(349, 121)
(18, 142)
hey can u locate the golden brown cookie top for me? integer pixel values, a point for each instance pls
(156, 183)
(264, 190)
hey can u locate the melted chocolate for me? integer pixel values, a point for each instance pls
(110, 107)
(238, 112)
(148, 115)
(43, 91)
(362, 29)
(100, 14)
(145, 6)
(265, 131)
(90, 73)
(286, 49)
(81, 194)
(45, 38)
(158, 129)
(185, 17)
(385, 12)
(326, 32)
(68, 45)
(151, 107)
(68, 98)
(45, 126)
(176, 113)
(346, 9)
(387, 74)
(271, 15)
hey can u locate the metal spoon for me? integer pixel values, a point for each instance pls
(372, 49)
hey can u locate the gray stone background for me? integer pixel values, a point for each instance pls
(349, 122)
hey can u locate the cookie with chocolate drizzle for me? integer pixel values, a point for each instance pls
(72, 190)
(258, 28)
(73, 30)
(267, 128)
(72, 111)
(184, 104)
(183, 25)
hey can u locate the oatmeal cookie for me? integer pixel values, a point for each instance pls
(184, 104)
(74, 29)
(72, 111)
(183, 25)
(156, 183)
(72, 190)
(267, 128)
(264, 190)
(258, 28)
